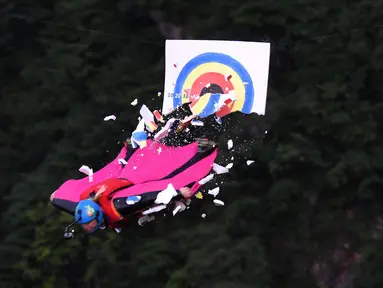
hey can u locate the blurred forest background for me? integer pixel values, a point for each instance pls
(306, 213)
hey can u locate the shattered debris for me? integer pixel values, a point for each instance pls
(218, 202)
(134, 103)
(110, 117)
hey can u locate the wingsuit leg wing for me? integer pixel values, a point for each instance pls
(146, 193)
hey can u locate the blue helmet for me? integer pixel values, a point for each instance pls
(88, 210)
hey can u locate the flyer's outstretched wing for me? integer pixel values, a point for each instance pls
(190, 173)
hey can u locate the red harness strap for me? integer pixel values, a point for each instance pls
(108, 186)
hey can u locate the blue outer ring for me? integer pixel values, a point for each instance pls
(217, 58)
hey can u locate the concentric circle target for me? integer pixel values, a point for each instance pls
(206, 77)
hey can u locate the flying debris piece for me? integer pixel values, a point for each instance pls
(134, 103)
(159, 94)
(228, 77)
(180, 207)
(164, 130)
(219, 121)
(87, 171)
(219, 169)
(214, 191)
(206, 179)
(110, 117)
(122, 161)
(266, 132)
(229, 166)
(166, 195)
(90, 175)
(197, 123)
(158, 116)
(232, 158)
(118, 230)
(139, 138)
(203, 215)
(176, 210)
(148, 118)
(249, 162)
(159, 150)
(188, 119)
(84, 169)
(199, 195)
(218, 202)
(154, 209)
(230, 144)
(225, 109)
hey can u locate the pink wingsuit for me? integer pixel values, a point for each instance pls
(149, 169)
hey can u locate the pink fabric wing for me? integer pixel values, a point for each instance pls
(71, 189)
(156, 161)
(192, 174)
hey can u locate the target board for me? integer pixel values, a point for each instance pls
(218, 77)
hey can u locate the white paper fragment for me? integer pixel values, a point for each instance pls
(180, 207)
(110, 117)
(219, 169)
(90, 175)
(166, 195)
(232, 158)
(218, 202)
(176, 210)
(154, 209)
(249, 162)
(134, 167)
(85, 169)
(118, 230)
(197, 123)
(230, 144)
(266, 132)
(122, 161)
(229, 166)
(214, 191)
(140, 126)
(159, 94)
(134, 103)
(189, 118)
(203, 215)
(148, 118)
(164, 130)
(206, 179)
